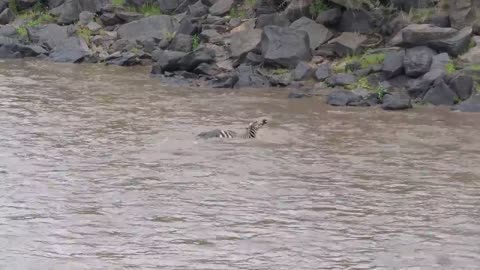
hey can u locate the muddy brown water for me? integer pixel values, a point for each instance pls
(100, 169)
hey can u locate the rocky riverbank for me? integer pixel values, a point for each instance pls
(389, 53)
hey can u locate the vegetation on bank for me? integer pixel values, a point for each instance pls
(363, 60)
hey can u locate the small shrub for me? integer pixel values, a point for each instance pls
(84, 33)
(365, 61)
(22, 31)
(381, 92)
(450, 68)
(149, 9)
(362, 83)
(12, 5)
(280, 71)
(195, 42)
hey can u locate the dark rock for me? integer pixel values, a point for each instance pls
(285, 47)
(71, 9)
(368, 98)
(341, 79)
(234, 22)
(181, 43)
(54, 3)
(225, 81)
(50, 35)
(470, 105)
(261, 10)
(197, 10)
(272, 19)
(157, 26)
(253, 58)
(417, 61)
(277, 79)
(440, 94)
(7, 16)
(191, 60)
(440, 21)
(125, 59)
(249, 77)
(135, 3)
(72, 50)
(439, 61)
(168, 6)
(24, 4)
(303, 71)
(183, 6)
(363, 72)
(347, 44)
(166, 61)
(343, 98)
(462, 85)
(207, 69)
(109, 19)
(417, 88)
(122, 45)
(462, 12)
(329, 17)
(149, 45)
(297, 95)
(215, 20)
(221, 8)
(129, 16)
(12, 48)
(323, 72)
(395, 102)
(357, 21)
(189, 27)
(297, 9)
(317, 33)
(393, 64)
(409, 4)
(8, 31)
(245, 42)
(211, 36)
(455, 45)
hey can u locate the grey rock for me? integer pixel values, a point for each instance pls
(417, 61)
(181, 43)
(317, 33)
(165, 61)
(221, 8)
(198, 9)
(193, 59)
(272, 19)
(224, 81)
(323, 72)
(341, 79)
(158, 26)
(125, 59)
(303, 71)
(439, 61)
(216, 20)
(109, 19)
(249, 77)
(94, 27)
(356, 21)
(129, 16)
(72, 50)
(123, 45)
(470, 105)
(55, 3)
(85, 17)
(211, 36)
(440, 94)
(245, 42)
(71, 9)
(189, 27)
(393, 64)
(347, 43)
(455, 45)
(50, 35)
(234, 22)
(343, 98)
(168, 6)
(253, 58)
(7, 16)
(8, 31)
(462, 85)
(207, 69)
(440, 21)
(12, 48)
(297, 9)
(285, 47)
(417, 88)
(24, 4)
(329, 17)
(395, 102)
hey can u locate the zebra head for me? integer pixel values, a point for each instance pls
(253, 128)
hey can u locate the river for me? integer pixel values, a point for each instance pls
(100, 169)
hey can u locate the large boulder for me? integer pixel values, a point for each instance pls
(71, 9)
(395, 102)
(417, 61)
(463, 12)
(72, 50)
(470, 105)
(418, 87)
(165, 61)
(440, 94)
(285, 47)
(158, 27)
(12, 48)
(317, 33)
(50, 35)
(248, 76)
(347, 43)
(244, 42)
(462, 85)
(393, 64)
(221, 8)
(448, 40)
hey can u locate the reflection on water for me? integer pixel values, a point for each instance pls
(100, 169)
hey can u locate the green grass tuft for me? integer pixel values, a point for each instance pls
(236, 12)
(280, 71)
(318, 6)
(84, 33)
(12, 5)
(365, 61)
(118, 3)
(450, 68)
(22, 31)
(195, 42)
(148, 9)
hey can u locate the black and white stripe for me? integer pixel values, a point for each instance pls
(250, 132)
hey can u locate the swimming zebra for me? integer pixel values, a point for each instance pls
(250, 132)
